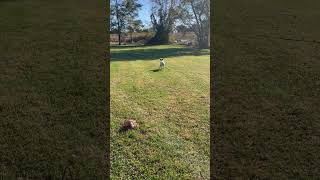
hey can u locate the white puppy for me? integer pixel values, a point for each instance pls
(162, 63)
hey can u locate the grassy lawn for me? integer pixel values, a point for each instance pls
(53, 94)
(171, 106)
(267, 89)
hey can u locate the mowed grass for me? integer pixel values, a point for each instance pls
(53, 89)
(266, 74)
(171, 107)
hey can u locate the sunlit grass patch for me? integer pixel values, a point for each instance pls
(171, 106)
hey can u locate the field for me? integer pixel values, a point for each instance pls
(171, 107)
(53, 94)
(266, 74)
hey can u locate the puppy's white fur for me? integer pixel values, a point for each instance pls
(162, 63)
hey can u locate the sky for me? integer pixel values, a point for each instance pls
(144, 12)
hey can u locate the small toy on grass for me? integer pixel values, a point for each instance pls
(129, 124)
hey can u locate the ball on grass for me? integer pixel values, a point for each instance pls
(129, 124)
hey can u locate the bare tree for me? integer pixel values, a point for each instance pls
(196, 15)
(163, 16)
(122, 13)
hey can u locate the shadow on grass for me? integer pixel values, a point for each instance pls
(155, 70)
(152, 54)
(123, 129)
(125, 46)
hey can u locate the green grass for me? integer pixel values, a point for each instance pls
(266, 89)
(171, 106)
(53, 100)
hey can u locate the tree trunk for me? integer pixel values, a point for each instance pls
(161, 37)
(203, 41)
(119, 39)
(203, 44)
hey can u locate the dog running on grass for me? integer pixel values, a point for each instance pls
(162, 63)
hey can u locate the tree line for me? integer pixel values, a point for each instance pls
(183, 15)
